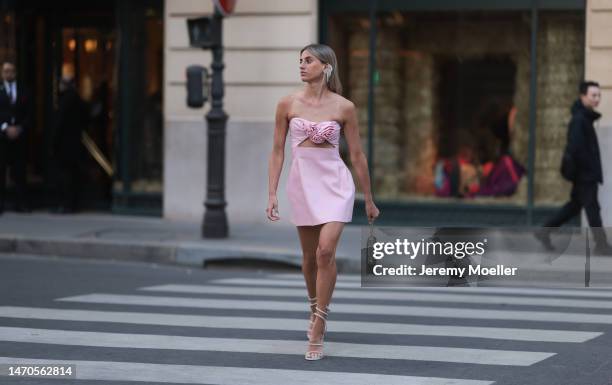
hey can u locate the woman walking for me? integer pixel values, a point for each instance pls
(320, 187)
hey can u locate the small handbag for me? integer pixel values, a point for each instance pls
(369, 251)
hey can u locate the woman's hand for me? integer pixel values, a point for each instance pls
(371, 211)
(272, 210)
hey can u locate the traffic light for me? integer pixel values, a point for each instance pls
(197, 86)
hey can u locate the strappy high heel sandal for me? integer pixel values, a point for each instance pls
(314, 355)
(313, 305)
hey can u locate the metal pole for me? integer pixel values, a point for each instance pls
(587, 264)
(215, 224)
(371, 95)
(124, 100)
(532, 110)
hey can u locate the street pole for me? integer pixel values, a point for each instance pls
(214, 224)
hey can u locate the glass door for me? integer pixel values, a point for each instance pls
(137, 185)
(88, 56)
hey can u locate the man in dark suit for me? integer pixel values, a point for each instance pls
(14, 124)
(583, 150)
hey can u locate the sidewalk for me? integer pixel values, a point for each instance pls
(116, 237)
(157, 240)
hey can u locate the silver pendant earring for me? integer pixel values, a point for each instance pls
(327, 72)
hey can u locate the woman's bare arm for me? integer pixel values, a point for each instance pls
(358, 158)
(277, 156)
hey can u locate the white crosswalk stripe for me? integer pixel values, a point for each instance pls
(389, 296)
(225, 375)
(356, 284)
(264, 323)
(382, 310)
(276, 303)
(395, 352)
(341, 277)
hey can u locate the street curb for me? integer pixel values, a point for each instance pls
(182, 254)
(89, 249)
(8, 245)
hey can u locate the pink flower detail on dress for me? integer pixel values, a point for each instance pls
(321, 132)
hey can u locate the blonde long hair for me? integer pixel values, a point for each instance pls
(327, 56)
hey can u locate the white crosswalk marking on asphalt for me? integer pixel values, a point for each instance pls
(514, 289)
(388, 296)
(277, 303)
(352, 284)
(341, 277)
(404, 310)
(223, 375)
(337, 349)
(292, 324)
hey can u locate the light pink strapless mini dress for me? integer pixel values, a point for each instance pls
(320, 187)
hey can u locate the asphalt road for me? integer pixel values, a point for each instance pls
(124, 322)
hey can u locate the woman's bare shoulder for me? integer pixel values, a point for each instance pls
(289, 98)
(345, 105)
(286, 102)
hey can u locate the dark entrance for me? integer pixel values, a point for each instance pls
(114, 51)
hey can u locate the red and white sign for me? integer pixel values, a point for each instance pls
(226, 7)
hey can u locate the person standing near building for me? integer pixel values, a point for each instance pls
(582, 152)
(15, 121)
(320, 187)
(72, 119)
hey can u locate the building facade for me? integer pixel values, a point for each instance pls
(435, 82)
(446, 92)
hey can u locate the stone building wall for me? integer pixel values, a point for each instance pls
(388, 157)
(560, 69)
(262, 41)
(598, 56)
(419, 134)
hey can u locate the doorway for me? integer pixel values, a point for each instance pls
(77, 40)
(88, 56)
(114, 52)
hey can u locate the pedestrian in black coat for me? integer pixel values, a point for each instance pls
(15, 121)
(583, 154)
(71, 121)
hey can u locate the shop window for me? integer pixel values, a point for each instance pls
(451, 111)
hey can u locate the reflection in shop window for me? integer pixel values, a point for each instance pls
(452, 100)
(474, 132)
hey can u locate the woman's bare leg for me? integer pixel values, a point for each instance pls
(326, 273)
(309, 238)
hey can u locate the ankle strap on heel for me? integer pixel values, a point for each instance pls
(312, 302)
(321, 313)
